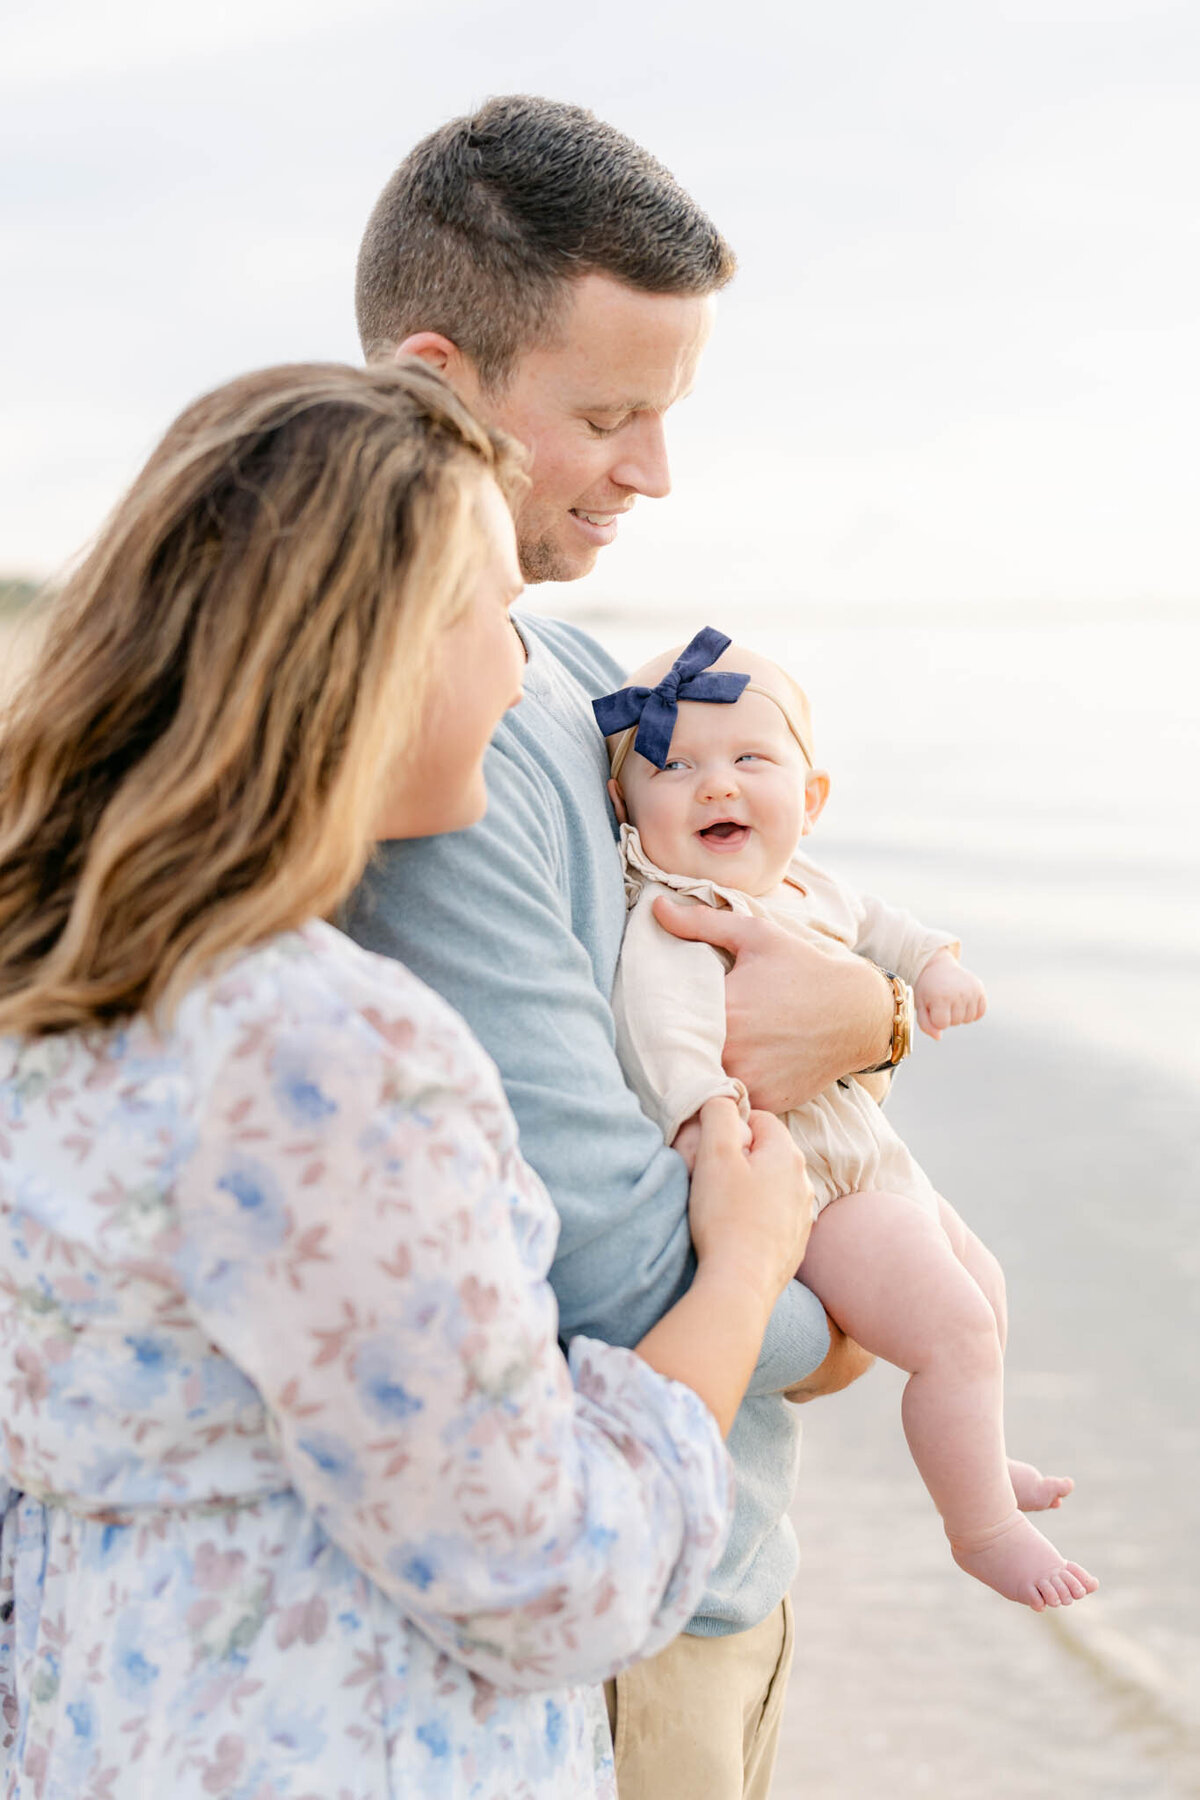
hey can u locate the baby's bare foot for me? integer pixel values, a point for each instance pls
(1037, 1492)
(1021, 1564)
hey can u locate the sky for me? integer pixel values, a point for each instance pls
(959, 365)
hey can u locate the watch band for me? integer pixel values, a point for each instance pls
(902, 1022)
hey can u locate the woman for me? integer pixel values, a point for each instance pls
(303, 1498)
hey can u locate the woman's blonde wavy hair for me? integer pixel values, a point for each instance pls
(197, 757)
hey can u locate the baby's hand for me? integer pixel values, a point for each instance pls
(947, 994)
(687, 1141)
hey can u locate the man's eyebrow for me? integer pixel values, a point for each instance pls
(610, 406)
(628, 406)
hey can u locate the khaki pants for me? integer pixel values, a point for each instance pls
(700, 1721)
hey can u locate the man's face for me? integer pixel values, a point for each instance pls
(590, 410)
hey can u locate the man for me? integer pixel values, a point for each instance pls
(565, 284)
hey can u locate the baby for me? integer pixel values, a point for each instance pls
(714, 783)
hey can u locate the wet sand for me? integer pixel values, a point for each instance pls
(911, 1679)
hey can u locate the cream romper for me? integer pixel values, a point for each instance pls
(669, 1006)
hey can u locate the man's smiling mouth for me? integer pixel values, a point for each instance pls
(597, 527)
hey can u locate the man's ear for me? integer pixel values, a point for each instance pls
(442, 354)
(618, 800)
(816, 793)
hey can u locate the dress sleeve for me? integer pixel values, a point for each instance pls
(356, 1236)
(896, 940)
(669, 1011)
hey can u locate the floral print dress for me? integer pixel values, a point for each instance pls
(299, 1496)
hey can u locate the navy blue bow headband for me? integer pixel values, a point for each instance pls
(655, 710)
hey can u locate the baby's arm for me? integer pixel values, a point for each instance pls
(945, 992)
(669, 1010)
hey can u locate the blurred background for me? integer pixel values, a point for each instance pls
(942, 461)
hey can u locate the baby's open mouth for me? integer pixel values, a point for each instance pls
(725, 834)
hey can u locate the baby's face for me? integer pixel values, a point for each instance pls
(730, 805)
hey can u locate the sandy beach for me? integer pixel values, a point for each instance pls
(910, 1679)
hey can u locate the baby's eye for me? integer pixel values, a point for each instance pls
(750, 756)
(677, 764)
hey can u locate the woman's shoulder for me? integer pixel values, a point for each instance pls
(315, 980)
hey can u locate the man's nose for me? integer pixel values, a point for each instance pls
(642, 464)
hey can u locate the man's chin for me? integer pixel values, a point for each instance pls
(547, 560)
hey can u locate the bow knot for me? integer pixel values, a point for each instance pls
(655, 710)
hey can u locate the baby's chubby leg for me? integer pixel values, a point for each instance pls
(888, 1274)
(1035, 1492)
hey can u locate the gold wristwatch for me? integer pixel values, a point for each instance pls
(902, 1022)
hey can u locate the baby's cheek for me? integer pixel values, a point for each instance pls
(660, 827)
(657, 844)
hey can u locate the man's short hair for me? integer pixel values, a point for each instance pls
(487, 220)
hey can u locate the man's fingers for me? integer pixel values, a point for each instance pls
(704, 924)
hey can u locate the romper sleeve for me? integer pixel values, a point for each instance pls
(360, 1236)
(669, 1013)
(896, 940)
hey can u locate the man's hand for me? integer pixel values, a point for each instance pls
(797, 1017)
(845, 1361)
(947, 994)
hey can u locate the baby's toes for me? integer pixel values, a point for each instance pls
(1089, 1583)
(1047, 1587)
(1063, 1584)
